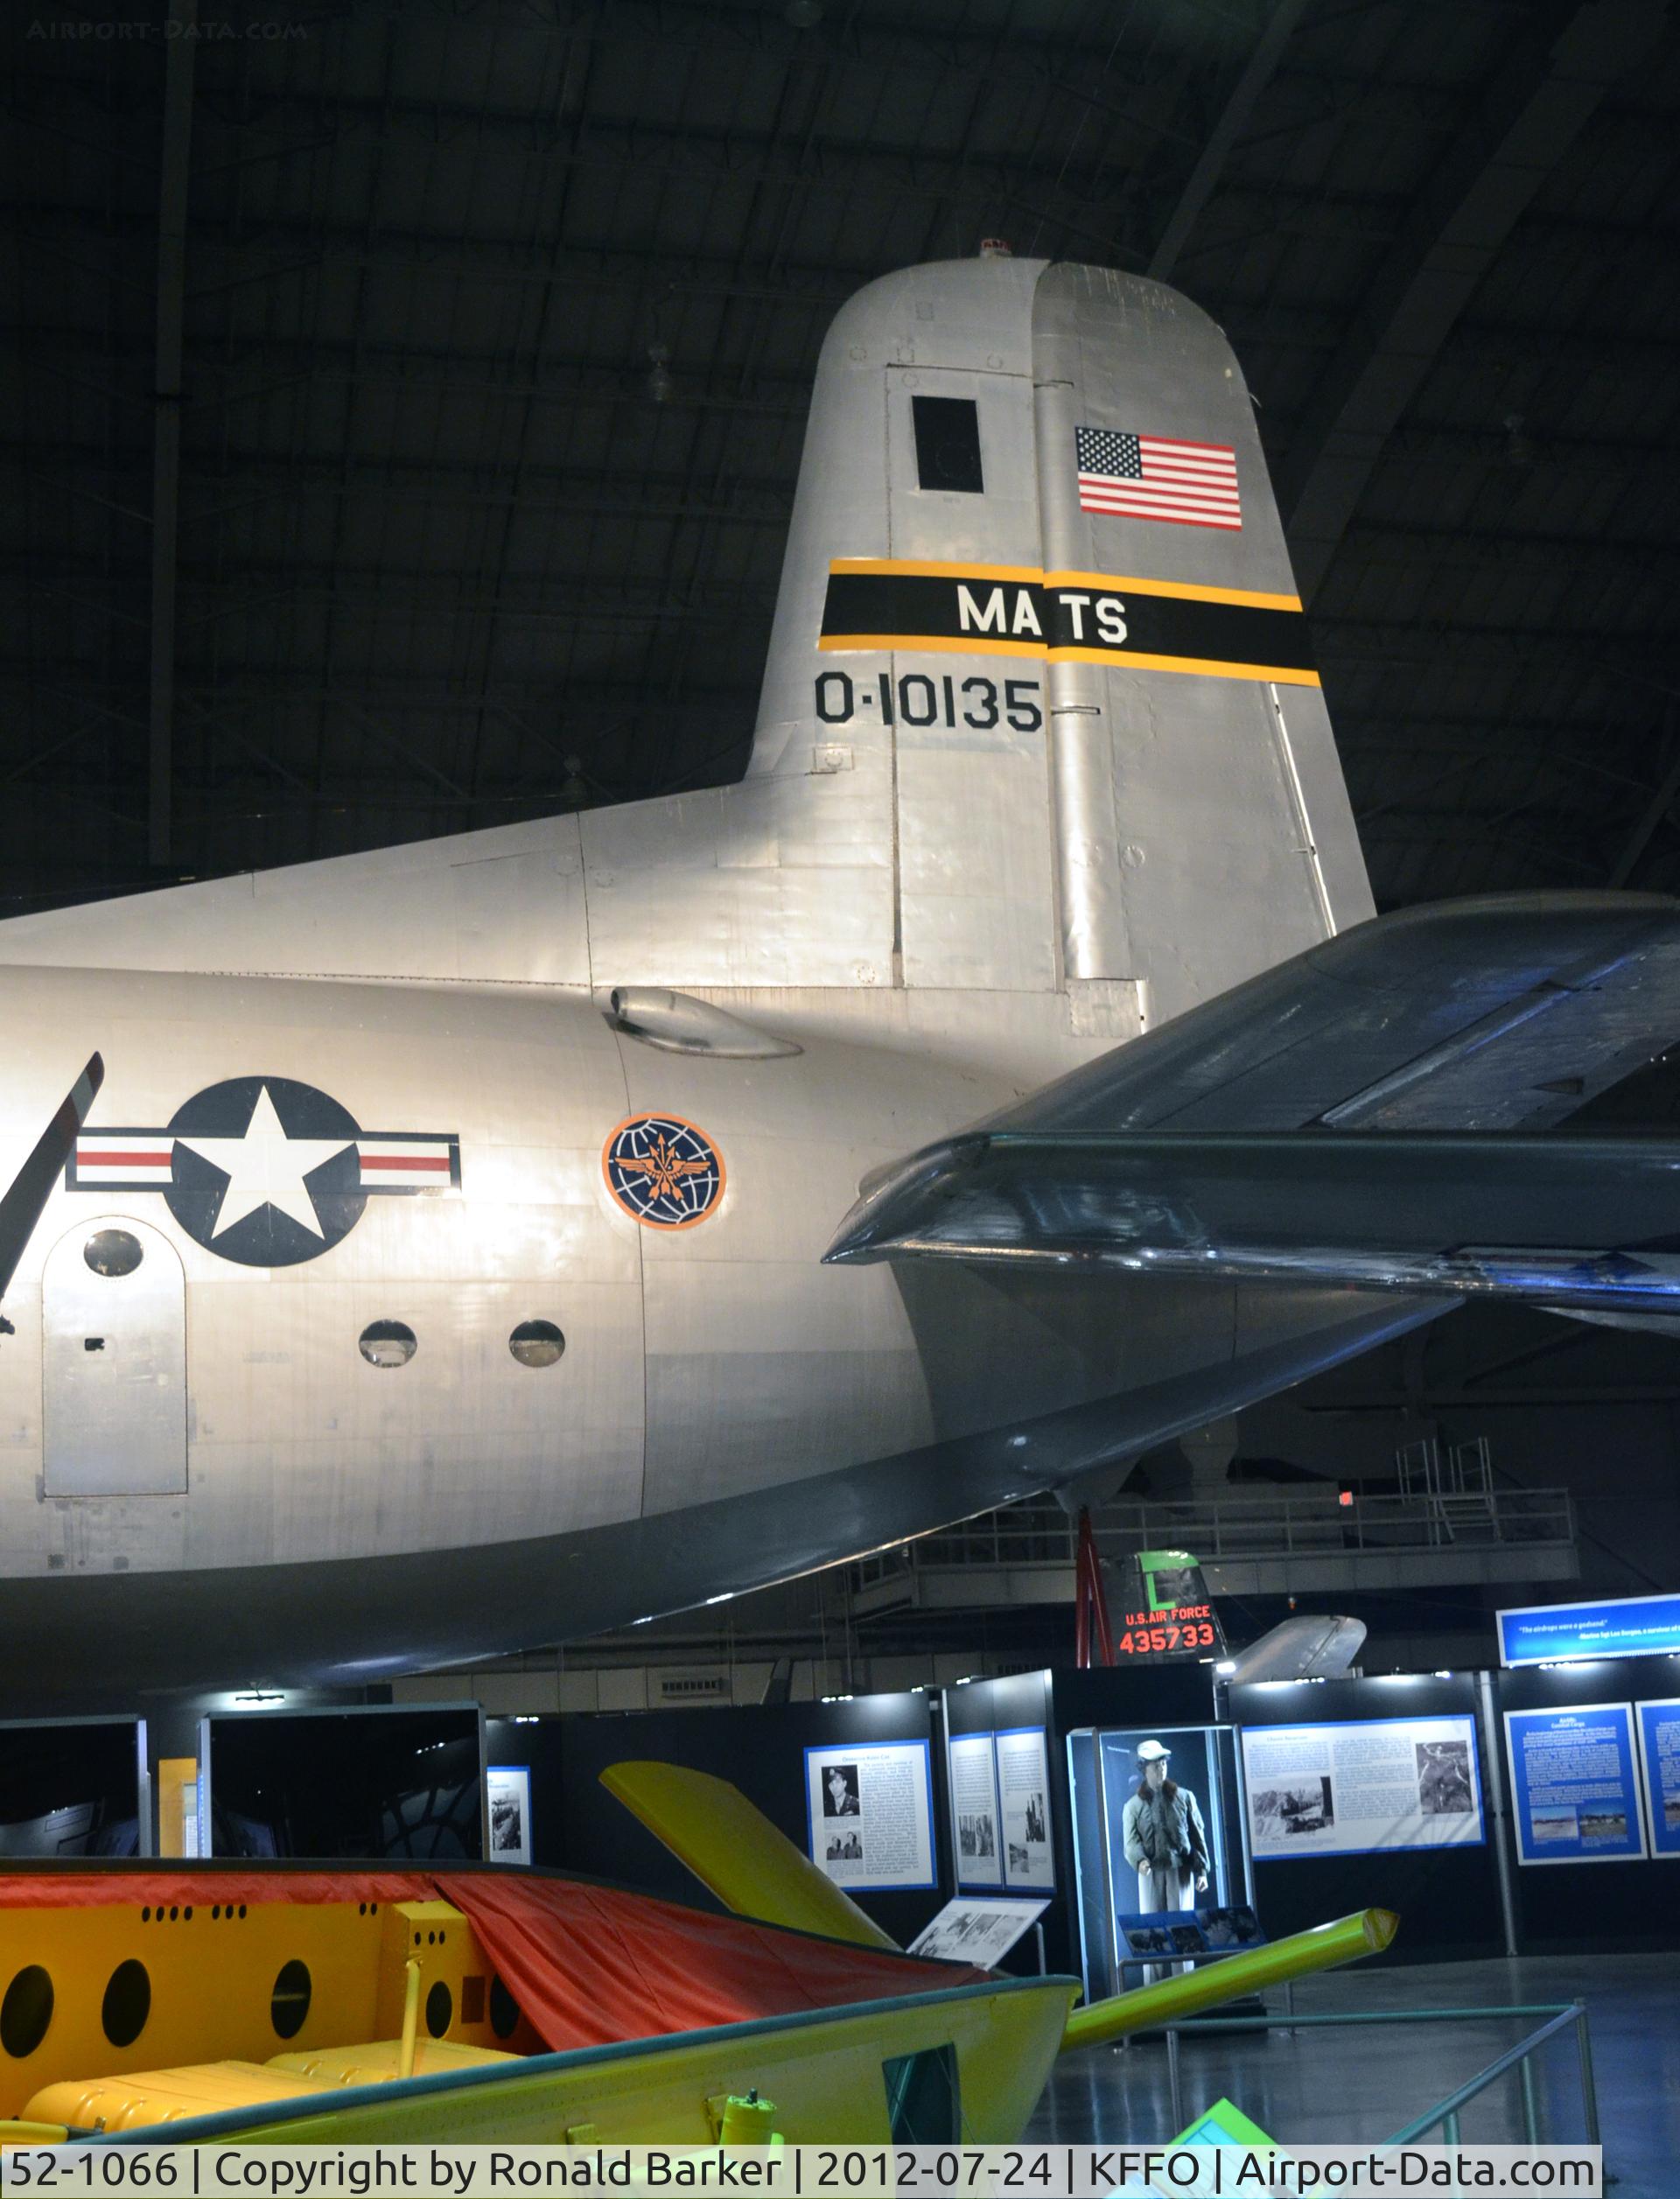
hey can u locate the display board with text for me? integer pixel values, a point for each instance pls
(507, 1792)
(976, 1930)
(972, 1759)
(1558, 1633)
(1574, 1789)
(870, 1810)
(1024, 1798)
(1361, 1786)
(1659, 1751)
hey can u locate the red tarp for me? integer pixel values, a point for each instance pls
(589, 1964)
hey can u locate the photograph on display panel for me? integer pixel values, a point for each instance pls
(869, 1808)
(508, 1792)
(976, 1931)
(1369, 1784)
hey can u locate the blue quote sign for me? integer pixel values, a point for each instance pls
(1628, 1626)
(1659, 1749)
(1573, 1784)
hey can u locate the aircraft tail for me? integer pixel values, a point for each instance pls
(1036, 582)
(1039, 717)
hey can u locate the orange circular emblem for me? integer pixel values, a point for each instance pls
(663, 1171)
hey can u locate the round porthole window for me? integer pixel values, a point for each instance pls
(290, 2004)
(126, 2004)
(537, 1343)
(504, 2010)
(113, 1252)
(387, 1343)
(26, 2011)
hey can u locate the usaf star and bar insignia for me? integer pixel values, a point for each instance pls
(269, 1172)
(265, 1170)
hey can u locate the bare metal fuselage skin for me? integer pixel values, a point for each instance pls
(201, 1473)
(726, 1407)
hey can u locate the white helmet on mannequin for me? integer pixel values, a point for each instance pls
(1150, 1752)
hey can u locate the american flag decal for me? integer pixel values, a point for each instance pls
(1134, 476)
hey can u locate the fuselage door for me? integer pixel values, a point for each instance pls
(114, 1363)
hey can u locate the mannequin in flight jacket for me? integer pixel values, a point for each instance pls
(1165, 1839)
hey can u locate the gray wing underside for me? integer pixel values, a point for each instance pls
(1504, 1013)
(1374, 1113)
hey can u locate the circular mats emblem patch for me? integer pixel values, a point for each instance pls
(664, 1171)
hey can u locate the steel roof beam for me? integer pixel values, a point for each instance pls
(1532, 114)
(175, 168)
(1203, 180)
(1651, 817)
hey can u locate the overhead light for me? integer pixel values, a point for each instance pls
(1225, 1668)
(261, 1695)
(728, 1596)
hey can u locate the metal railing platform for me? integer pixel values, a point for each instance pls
(1273, 1544)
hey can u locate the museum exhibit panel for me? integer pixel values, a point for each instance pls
(840, 1104)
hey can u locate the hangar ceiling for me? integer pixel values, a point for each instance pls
(404, 402)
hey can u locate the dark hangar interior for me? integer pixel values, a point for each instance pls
(404, 405)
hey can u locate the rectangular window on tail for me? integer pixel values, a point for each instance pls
(923, 2097)
(947, 444)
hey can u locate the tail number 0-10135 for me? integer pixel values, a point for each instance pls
(919, 699)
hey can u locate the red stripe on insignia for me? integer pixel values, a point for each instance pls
(393, 1160)
(95, 1158)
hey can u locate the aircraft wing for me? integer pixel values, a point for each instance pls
(22, 1206)
(1374, 1112)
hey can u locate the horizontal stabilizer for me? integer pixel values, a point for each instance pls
(736, 1853)
(1504, 1013)
(1566, 1222)
(1307, 1647)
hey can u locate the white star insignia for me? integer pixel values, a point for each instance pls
(266, 1168)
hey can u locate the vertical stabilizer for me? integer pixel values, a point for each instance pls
(1037, 582)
